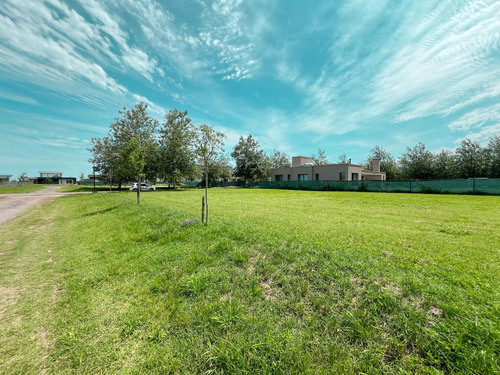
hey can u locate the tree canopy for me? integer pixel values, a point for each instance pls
(279, 159)
(177, 140)
(320, 159)
(251, 163)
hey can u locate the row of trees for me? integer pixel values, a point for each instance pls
(468, 160)
(138, 146)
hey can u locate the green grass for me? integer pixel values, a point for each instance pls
(82, 188)
(21, 189)
(280, 282)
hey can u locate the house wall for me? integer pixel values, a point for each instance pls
(374, 176)
(330, 172)
(65, 181)
(333, 171)
(299, 161)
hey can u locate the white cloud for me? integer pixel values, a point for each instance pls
(62, 142)
(445, 67)
(157, 109)
(133, 57)
(17, 98)
(476, 118)
(483, 136)
(30, 49)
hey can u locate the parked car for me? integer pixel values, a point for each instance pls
(144, 187)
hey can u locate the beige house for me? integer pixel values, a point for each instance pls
(303, 170)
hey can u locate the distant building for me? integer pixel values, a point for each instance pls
(302, 169)
(49, 177)
(5, 177)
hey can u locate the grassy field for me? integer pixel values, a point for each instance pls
(21, 189)
(83, 188)
(280, 282)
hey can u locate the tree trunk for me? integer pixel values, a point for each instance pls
(206, 197)
(202, 209)
(138, 190)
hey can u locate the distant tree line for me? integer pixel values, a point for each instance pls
(138, 146)
(468, 160)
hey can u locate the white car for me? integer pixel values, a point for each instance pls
(144, 187)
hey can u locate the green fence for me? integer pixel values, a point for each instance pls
(458, 186)
(91, 182)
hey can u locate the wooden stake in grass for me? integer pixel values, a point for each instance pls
(202, 209)
(209, 144)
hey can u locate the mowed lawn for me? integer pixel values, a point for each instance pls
(21, 189)
(280, 282)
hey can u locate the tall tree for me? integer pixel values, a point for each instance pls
(320, 159)
(494, 157)
(106, 160)
(23, 177)
(471, 159)
(387, 162)
(445, 165)
(220, 169)
(417, 163)
(209, 146)
(251, 163)
(177, 142)
(279, 159)
(342, 159)
(128, 146)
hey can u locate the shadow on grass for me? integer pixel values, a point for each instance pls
(101, 211)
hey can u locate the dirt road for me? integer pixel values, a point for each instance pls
(12, 205)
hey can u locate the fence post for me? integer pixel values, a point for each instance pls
(202, 209)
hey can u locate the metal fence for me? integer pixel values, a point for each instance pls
(15, 183)
(457, 186)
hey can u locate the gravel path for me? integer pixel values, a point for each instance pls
(12, 205)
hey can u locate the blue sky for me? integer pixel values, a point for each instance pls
(342, 76)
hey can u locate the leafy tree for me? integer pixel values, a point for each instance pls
(177, 154)
(445, 165)
(23, 177)
(279, 159)
(220, 169)
(494, 157)
(209, 146)
(134, 161)
(387, 163)
(342, 159)
(320, 159)
(471, 159)
(251, 161)
(82, 177)
(129, 146)
(417, 163)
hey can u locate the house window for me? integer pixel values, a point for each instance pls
(279, 177)
(303, 177)
(355, 177)
(288, 177)
(342, 176)
(317, 176)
